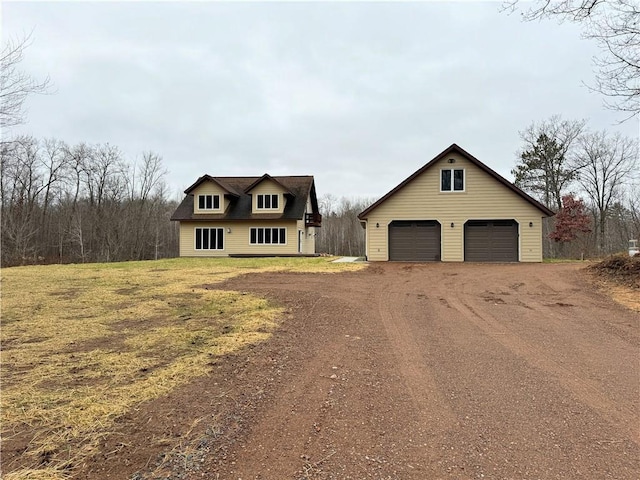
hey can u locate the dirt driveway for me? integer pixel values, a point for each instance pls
(405, 371)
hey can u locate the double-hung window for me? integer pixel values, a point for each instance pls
(267, 202)
(209, 238)
(208, 202)
(268, 236)
(452, 180)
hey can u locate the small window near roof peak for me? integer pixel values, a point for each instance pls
(452, 180)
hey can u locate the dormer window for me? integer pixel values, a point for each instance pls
(452, 180)
(267, 202)
(208, 202)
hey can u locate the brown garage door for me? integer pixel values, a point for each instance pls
(414, 241)
(491, 241)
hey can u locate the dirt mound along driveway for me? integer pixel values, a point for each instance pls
(621, 269)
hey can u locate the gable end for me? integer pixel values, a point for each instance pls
(456, 149)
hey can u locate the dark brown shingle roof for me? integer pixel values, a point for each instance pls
(266, 176)
(472, 159)
(298, 189)
(221, 183)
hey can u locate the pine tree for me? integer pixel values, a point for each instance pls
(543, 171)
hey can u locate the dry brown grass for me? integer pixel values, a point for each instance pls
(619, 276)
(626, 297)
(623, 294)
(84, 344)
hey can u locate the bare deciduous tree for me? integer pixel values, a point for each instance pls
(634, 210)
(561, 157)
(22, 185)
(75, 203)
(608, 164)
(341, 232)
(614, 26)
(146, 190)
(54, 163)
(16, 85)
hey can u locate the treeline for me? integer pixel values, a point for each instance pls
(600, 168)
(621, 224)
(341, 232)
(65, 203)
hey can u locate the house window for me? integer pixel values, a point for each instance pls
(452, 180)
(209, 202)
(209, 239)
(268, 236)
(267, 202)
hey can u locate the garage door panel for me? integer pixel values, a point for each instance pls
(491, 241)
(414, 241)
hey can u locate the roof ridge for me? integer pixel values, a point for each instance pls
(260, 176)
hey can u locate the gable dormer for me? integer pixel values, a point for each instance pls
(211, 196)
(268, 195)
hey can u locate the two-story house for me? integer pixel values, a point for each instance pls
(222, 216)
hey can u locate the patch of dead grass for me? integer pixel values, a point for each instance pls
(86, 343)
(619, 276)
(624, 295)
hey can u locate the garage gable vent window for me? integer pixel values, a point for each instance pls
(452, 180)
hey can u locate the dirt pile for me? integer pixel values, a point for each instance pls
(621, 269)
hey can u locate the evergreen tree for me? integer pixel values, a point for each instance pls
(544, 172)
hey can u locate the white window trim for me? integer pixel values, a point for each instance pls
(212, 202)
(224, 241)
(271, 195)
(464, 180)
(286, 237)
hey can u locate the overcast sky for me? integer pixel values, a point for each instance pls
(359, 95)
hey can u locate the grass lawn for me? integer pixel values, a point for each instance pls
(84, 344)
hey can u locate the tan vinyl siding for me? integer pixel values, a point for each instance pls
(483, 198)
(238, 241)
(309, 243)
(209, 188)
(267, 187)
(302, 233)
(308, 240)
(531, 239)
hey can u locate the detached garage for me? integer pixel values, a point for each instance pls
(455, 208)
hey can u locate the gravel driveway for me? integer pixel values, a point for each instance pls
(408, 371)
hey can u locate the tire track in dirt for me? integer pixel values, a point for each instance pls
(295, 430)
(419, 382)
(583, 389)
